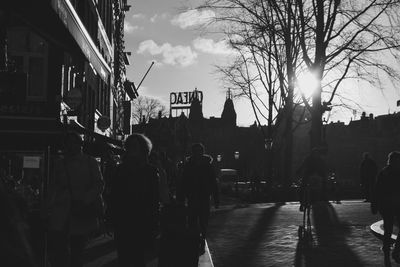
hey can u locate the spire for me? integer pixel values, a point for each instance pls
(228, 116)
(196, 110)
(229, 94)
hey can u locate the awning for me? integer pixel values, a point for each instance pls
(72, 22)
(28, 133)
(100, 142)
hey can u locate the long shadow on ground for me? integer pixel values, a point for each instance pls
(328, 247)
(241, 243)
(100, 249)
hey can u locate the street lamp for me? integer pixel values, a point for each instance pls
(219, 166)
(324, 123)
(268, 143)
(237, 155)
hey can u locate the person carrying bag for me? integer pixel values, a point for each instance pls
(75, 204)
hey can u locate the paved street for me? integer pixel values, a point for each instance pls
(267, 235)
(101, 253)
(242, 235)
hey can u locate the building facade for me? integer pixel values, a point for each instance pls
(62, 68)
(223, 139)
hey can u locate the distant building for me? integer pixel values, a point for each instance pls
(222, 136)
(346, 144)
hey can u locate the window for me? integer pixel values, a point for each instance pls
(28, 54)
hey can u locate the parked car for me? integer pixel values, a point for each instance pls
(227, 179)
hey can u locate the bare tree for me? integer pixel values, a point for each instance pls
(339, 41)
(262, 34)
(343, 40)
(144, 108)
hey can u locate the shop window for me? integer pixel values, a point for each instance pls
(28, 54)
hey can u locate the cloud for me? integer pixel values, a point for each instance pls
(193, 18)
(171, 55)
(139, 16)
(129, 28)
(158, 17)
(211, 47)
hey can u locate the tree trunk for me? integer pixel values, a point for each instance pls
(316, 119)
(287, 172)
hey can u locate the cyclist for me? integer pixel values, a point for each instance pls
(313, 173)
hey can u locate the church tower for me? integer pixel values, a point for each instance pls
(228, 116)
(196, 110)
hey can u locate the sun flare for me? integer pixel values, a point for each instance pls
(307, 83)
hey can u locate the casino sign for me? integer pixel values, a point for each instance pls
(183, 100)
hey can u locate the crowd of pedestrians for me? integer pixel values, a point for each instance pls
(154, 208)
(146, 212)
(150, 206)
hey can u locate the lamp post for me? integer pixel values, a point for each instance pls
(237, 156)
(268, 142)
(324, 123)
(219, 165)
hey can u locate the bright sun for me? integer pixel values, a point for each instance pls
(307, 82)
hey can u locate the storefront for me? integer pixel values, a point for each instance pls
(28, 151)
(48, 55)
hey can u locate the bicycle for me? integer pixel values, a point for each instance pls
(310, 192)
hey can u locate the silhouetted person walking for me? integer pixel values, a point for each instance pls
(155, 159)
(134, 203)
(313, 173)
(198, 184)
(15, 249)
(75, 203)
(368, 172)
(386, 201)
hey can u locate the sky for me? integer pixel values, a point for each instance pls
(166, 32)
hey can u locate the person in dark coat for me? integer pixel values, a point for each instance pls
(74, 192)
(15, 248)
(313, 172)
(386, 201)
(134, 203)
(198, 184)
(368, 172)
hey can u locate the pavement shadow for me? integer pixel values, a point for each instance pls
(99, 249)
(328, 246)
(113, 263)
(243, 239)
